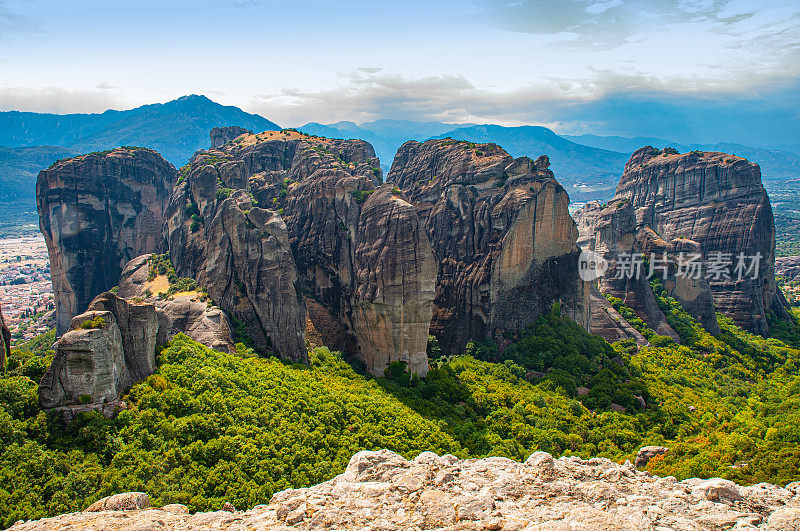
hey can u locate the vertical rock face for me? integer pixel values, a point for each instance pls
(250, 270)
(501, 232)
(395, 284)
(5, 342)
(138, 327)
(222, 135)
(718, 201)
(106, 350)
(270, 220)
(610, 231)
(97, 212)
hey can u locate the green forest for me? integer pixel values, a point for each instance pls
(211, 427)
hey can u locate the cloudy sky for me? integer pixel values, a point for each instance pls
(689, 70)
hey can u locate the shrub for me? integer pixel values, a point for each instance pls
(91, 324)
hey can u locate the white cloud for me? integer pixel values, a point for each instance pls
(56, 100)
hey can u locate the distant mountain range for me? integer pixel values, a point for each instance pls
(589, 166)
(777, 166)
(384, 135)
(31, 141)
(175, 129)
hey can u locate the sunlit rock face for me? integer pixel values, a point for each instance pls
(96, 213)
(107, 349)
(716, 200)
(501, 234)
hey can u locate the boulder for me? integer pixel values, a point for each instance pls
(96, 213)
(127, 501)
(717, 490)
(646, 453)
(718, 201)
(106, 350)
(502, 235)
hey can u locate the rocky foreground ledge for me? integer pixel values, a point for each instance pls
(383, 491)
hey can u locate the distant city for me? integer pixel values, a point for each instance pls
(26, 293)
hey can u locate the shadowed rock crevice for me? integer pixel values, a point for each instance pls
(270, 220)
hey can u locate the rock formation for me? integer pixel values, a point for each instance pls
(5, 342)
(106, 350)
(610, 231)
(395, 284)
(501, 232)
(269, 221)
(222, 135)
(177, 313)
(382, 490)
(96, 213)
(250, 270)
(718, 201)
(646, 453)
(788, 267)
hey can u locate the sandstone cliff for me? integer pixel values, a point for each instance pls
(610, 231)
(96, 213)
(395, 284)
(718, 201)
(182, 312)
(382, 490)
(106, 350)
(5, 342)
(222, 135)
(284, 209)
(501, 232)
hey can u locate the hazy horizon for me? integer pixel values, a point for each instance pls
(697, 71)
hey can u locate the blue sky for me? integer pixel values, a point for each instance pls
(706, 70)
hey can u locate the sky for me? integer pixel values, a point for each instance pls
(694, 71)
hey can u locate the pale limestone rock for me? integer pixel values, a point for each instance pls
(128, 501)
(490, 493)
(646, 453)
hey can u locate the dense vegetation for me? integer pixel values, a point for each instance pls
(210, 427)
